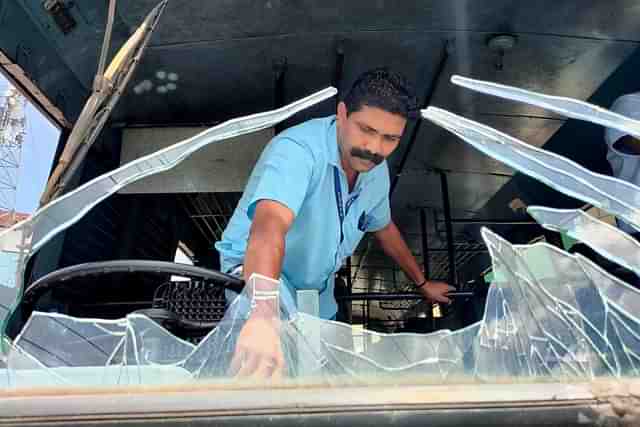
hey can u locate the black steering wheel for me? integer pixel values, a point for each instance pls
(68, 277)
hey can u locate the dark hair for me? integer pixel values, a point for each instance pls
(384, 89)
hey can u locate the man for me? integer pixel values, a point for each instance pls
(623, 154)
(623, 151)
(316, 189)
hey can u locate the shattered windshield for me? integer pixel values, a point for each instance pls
(549, 315)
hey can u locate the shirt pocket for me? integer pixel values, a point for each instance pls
(352, 232)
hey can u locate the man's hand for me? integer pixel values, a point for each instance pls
(394, 245)
(258, 352)
(436, 291)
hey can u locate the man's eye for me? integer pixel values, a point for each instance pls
(367, 130)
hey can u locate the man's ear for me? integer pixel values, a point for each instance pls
(342, 112)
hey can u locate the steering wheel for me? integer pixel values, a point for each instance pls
(69, 275)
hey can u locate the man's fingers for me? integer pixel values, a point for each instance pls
(236, 362)
(264, 369)
(248, 365)
(279, 358)
(269, 368)
(442, 299)
(278, 369)
(278, 373)
(452, 288)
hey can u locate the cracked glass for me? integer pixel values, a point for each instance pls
(549, 316)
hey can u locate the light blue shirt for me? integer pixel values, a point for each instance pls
(297, 169)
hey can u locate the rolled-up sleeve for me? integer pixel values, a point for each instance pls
(285, 173)
(380, 216)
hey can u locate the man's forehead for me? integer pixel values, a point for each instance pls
(379, 130)
(381, 121)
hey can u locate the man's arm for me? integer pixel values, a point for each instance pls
(282, 181)
(265, 250)
(394, 246)
(286, 170)
(258, 351)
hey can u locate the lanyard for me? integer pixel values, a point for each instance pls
(342, 210)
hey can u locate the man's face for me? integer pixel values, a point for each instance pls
(368, 136)
(628, 145)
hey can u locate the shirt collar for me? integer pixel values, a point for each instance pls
(332, 143)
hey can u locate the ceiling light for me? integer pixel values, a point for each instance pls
(500, 44)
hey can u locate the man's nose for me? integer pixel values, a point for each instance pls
(373, 144)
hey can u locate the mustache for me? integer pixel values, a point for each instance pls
(367, 155)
